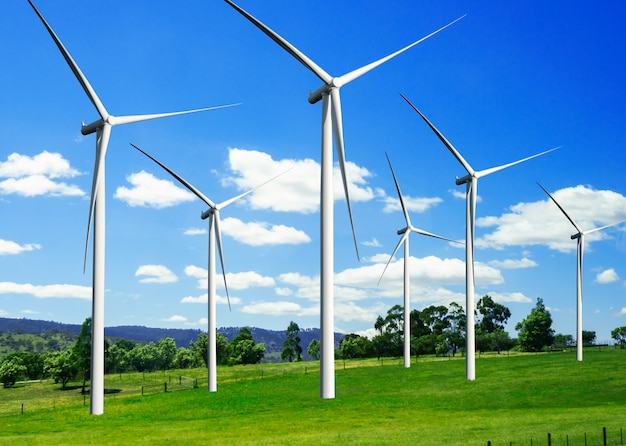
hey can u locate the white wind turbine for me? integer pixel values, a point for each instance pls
(102, 128)
(332, 125)
(580, 247)
(213, 214)
(404, 232)
(471, 182)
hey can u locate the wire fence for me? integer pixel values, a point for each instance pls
(604, 437)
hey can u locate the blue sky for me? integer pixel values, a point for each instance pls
(506, 82)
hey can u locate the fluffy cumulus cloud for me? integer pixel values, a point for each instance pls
(298, 190)
(236, 281)
(148, 191)
(513, 263)
(31, 176)
(8, 247)
(542, 223)
(59, 291)
(261, 233)
(281, 308)
(155, 274)
(607, 276)
(204, 299)
(195, 231)
(413, 204)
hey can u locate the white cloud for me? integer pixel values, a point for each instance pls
(283, 291)
(607, 276)
(412, 204)
(195, 231)
(8, 247)
(542, 223)
(175, 318)
(281, 308)
(3, 312)
(513, 264)
(373, 243)
(156, 274)
(60, 291)
(261, 233)
(297, 190)
(34, 176)
(235, 281)
(510, 297)
(149, 191)
(204, 299)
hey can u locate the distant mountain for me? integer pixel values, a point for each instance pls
(272, 339)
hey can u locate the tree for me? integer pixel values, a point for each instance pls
(354, 346)
(11, 370)
(166, 352)
(314, 348)
(82, 351)
(245, 351)
(291, 346)
(456, 331)
(61, 366)
(493, 315)
(589, 338)
(619, 334)
(562, 341)
(535, 332)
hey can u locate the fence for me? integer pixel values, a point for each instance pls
(606, 438)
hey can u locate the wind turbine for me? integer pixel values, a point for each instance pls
(332, 125)
(404, 232)
(471, 182)
(213, 214)
(580, 247)
(102, 128)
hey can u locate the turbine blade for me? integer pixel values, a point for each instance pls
(180, 179)
(571, 220)
(335, 102)
(223, 204)
(402, 239)
(102, 141)
(74, 67)
(118, 120)
(430, 234)
(304, 60)
(486, 172)
(404, 209)
(218, 237)
(602, 227)
(443, 139)
(349, 77)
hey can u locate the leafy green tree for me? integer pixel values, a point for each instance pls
(355, 346)
(12, 370)
(589, 338)
(82, 351)
(200, 347)
(118, 359)
(291, 346)
(455, 334)
(185, 359)
(619, 334)
(562, 341)
(223, 349)
(166, 351)
(32, 361)
(245, 350)
(493, 315)
(314, 348)
(535, 332)
(389, 341)
(61, 366)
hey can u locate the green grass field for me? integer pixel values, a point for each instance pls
(514, 400)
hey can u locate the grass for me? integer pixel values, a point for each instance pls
(513, 400)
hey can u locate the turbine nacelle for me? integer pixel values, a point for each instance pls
(316, 96)
(463, 180)
(575, 236)
(206, 214)
(403, 230)
(91, 128)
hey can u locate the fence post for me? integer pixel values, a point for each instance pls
(488, 443)
(604, 435)
(141, 390)
(22, 408)
(549, 439)
(165, 386)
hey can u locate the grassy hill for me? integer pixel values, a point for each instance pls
(517, 399)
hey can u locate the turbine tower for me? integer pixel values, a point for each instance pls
(471, 183)
(332, 125)
(102, 127)
(580, 247)
(213, 214)
(404, 232)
